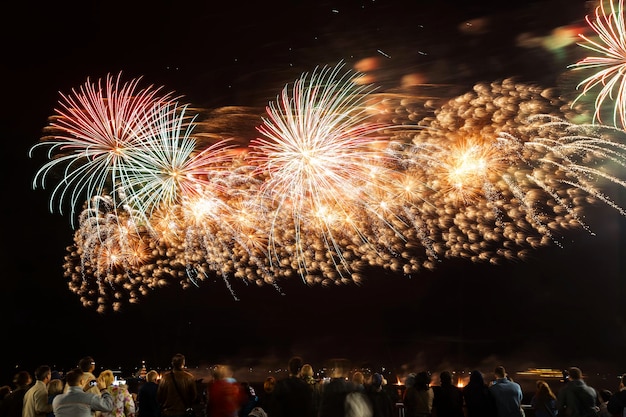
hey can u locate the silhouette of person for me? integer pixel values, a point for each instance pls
(267, 399)
(478, 399)
(36, 398)
(250, 399)
(358, 379)
(306, 373)
(418, 395)
(293, 394)
(177, 390)
(543, 401)
(577, 398)
(14, 402)
(507, 394)
(336, 390)
(147, 403)
(225, 395)
(448, 398)
(382, 405)
(617, 403)
(5, 390)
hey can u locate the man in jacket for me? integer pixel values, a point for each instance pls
(78, 403)
(36, 398)
(577, 399)
(177, 390)
(506, 394)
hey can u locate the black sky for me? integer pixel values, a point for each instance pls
(563, 305)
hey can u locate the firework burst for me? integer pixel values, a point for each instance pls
(166, 168)
(320, 154)
(508, 173)
(92, 135)
(609, 65)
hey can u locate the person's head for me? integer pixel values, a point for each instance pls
(87, 364)
(152, 376)
(544, 390)
(422, 380)
(74, 378)
(222, 372)
(107, 377)
(542, 386)
(575, 373)
(269, 384)
(445, 378)
(178, 361)
(43, 373)
(306, 371)
(499, 372)
(377, 380)
(55, 387)
(358, 378)
(294, 365)
(22, 379)
(476, 377)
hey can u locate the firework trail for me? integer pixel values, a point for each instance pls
(609, 66)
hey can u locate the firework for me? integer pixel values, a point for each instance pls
(92, 135)
(508, 173)
(322, 161)
(609, 65)
(333, 187)
(166, 168)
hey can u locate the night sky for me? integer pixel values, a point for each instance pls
(561, 307)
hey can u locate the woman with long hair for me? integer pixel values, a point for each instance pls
(544, 400)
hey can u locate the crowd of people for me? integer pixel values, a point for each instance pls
(345, 393)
